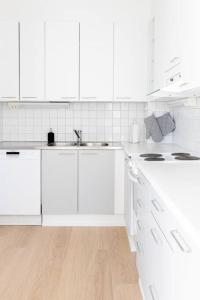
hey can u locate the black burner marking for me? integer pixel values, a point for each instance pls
(154, 159)
(180, 154)
(151, 155)
(187, 158)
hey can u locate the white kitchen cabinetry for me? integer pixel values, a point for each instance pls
(96, 61)
(167, 257)
(167, 40)
(130, 62)
(177, 47)
(62, 61)
(96, 182)
(31, 61)
(59, 182)
(9, 61)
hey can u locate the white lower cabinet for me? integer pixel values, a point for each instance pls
(96, 182)
(167, 258)
(59, 182)
(76, 181)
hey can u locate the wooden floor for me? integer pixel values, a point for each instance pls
(45, 263)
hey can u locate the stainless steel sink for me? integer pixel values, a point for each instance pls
(82, 144)
(90, 144)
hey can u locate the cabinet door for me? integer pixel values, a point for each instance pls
(9, 61)
(159, 262)
(62, 61)
(167, 40)
(96, 182)
(96, 62)
(59, 182)
(31, 61)
(190, 44)
(130, 62)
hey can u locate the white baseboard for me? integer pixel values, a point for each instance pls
(20, 220)
(83, 220)
(141, 290)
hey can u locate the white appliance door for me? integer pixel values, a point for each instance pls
(20, 183)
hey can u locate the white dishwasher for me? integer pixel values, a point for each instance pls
(20, 182)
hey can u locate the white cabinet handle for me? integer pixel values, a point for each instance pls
(139, 225)
(152, 293)
(123, 98)
(157, 205)
(29, 97)
(139, 202)
(88, 98)
(65, 153)
(180, 241)
(155, 236)
(68, 97)
(138, 247)
(132, 178)
(8, 97)
(174, 59)
(140, 181)
(91, 153)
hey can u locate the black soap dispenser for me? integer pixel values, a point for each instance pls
(51, 138)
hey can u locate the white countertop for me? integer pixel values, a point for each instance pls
(179, 187)
(59, 146)
(176, 182)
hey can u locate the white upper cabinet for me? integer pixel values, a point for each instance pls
(62, 61)
(167, 40)
(130, 76)
(177, 47)
(9, 61)
(31, 61)
(190, 51)
(96, 62)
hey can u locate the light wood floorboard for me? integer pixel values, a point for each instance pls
(61, 263)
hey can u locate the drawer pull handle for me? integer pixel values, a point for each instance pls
(157, 205)
(174, 59)
(124, 98)
(90, 154)
(88, 98)
(155, 236)
(139, 225)
(140, 181)
(152, 292)
(68, 97)
(66, 153)
(138, 248)
(139, 202)
(31, 97)
(180, 241)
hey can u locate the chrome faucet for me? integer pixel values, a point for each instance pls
(79, 135)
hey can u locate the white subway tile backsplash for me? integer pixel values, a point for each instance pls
(99, 121)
